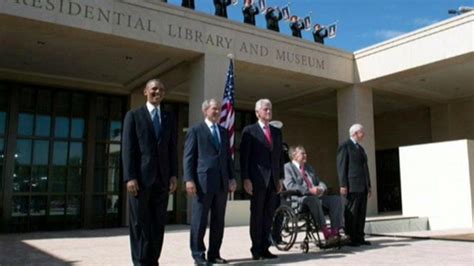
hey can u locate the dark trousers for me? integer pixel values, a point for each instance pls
(262, 208)
(147, 224)
(354, 214)
(201, 205)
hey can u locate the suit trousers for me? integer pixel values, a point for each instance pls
(201, 205)
(147, 224)
(262, 208)
(354, 214)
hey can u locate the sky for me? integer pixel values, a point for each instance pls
(361, 23)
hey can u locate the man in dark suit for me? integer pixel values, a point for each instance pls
(301, 177)
(150, 167)
(221, 7)
(319, 33)
(296, 26)
(273, 17)
(209, 175)
(249, 10)
(354, 182)
(188, 3)
(261, 162)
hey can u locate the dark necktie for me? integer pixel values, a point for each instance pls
(268, 134)
(215, 137)
(308, 182)
(156, 123)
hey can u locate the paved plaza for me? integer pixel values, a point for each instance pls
(110, 247)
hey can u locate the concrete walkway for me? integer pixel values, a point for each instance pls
(111, 247)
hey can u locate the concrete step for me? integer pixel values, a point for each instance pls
(395, 223)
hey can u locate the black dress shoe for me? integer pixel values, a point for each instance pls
(365, 242)
(256, 256)
(200, 261)
(353, 244)
(218, 260)
(268, 255)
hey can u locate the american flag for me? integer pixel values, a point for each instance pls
(227, 110)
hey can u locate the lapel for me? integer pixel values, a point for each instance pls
(261, 135)
(149, 124)
(209, 135)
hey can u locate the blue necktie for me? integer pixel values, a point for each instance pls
(215, 137)
(156, 123)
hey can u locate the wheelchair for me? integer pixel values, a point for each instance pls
(289, 220)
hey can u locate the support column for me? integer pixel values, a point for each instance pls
(207, 80)
(355, 105)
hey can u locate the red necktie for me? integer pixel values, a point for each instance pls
(305, 177)
(268, 134)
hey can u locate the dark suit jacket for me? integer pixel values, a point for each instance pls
(143, 155)
(221, 7)
(319, 35)
(258, 161)
(188, 3)
(249, 14)
(273, 21)
(352, 167)
(296, 29)
(208, 167)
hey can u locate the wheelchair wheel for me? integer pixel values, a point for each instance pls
(305, 245)
(284, 228)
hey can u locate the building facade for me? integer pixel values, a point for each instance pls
(70, 69)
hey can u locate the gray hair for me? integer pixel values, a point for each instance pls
(355, 128)
(261, 102)
(205, 105)
(293, 149)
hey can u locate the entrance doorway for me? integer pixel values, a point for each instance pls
(388, 181)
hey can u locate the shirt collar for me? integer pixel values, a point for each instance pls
(151, 107)
(353, 141)
(297, 164)
(261, 124)
(208, 123)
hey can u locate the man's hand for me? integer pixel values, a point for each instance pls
(232, 185)
(279, 186)
(132, 187)
(173, 184)
(343, 191)
(248, 186)
(191, 188)
(315, 191)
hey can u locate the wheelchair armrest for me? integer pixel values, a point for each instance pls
(289, 193)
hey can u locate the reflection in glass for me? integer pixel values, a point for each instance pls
(113, 180)
(3, 120)
(2, 154)
(23, 152)
(39, 179)
(100, 153)
(101, 129)
(115, 130)
(61, 127)
(75, 154)
(74, 181)
(19, 206)
(21, 179)
(77, 128)
(73, 206)
(60, 153)
(112, 204)
(38, 206)
(25, 124)
(57, 205)
(41, 152)
(43, 125)
(44, 102)
(99, 179)
(114, 155)
(58, 179)
(98, 205)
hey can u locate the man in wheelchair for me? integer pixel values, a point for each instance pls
(302, 178)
